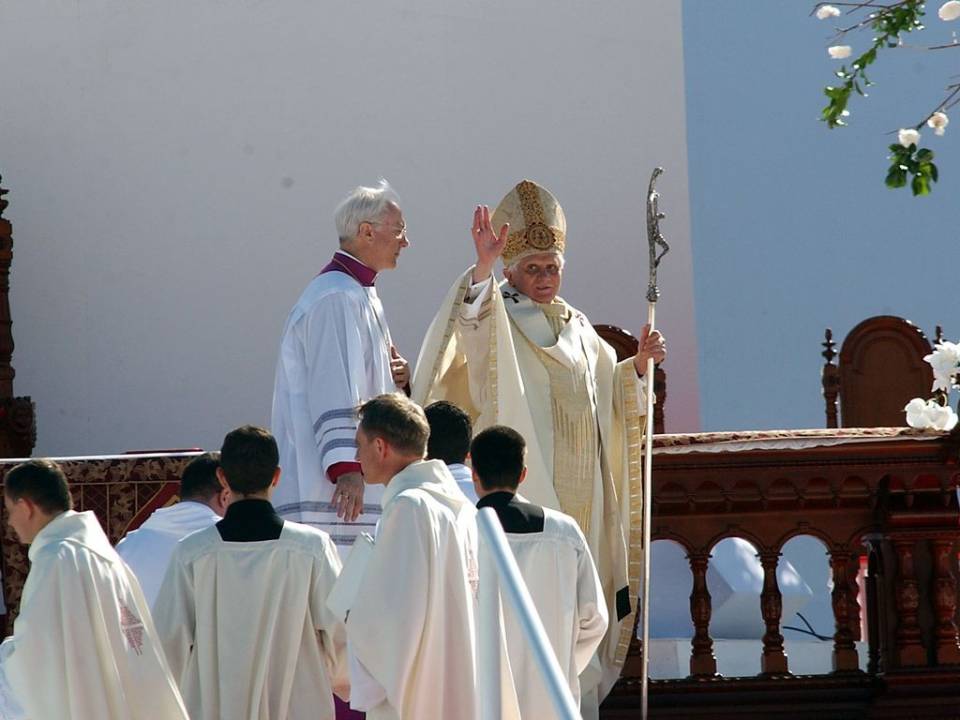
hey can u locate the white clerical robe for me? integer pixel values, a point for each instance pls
(246, 629)
(147, 549)
(84, 645)
(464, 477)
(334, 356)
(558, 570)
(493, 361)
(412, 627)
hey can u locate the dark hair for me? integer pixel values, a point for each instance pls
(450, 432)
(497, 455)
(199, 479)
(398, 420)
(42, 482)
(249, 458)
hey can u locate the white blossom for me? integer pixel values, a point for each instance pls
(929, 415)
(916, 411)
(938, 121)
(945, 361)
(839, 52)
(827, 11)
(942, 417)
(949, 10)
(908, 137)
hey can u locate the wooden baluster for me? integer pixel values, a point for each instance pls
(774, 660)
(876, 643)
(910, 652)
(702, 661)
(830, 378)
(844, 651)
(6, 336)
(945, 600)
(853, 570)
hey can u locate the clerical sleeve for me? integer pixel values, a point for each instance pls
(336, 375)
(473, 330)
(592, 617)
(10, 708)
(396, 581)
(628, 366)
(331, 632)
(175, 615)
(52, 632)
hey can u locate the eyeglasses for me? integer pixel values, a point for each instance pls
(535, 271)
(399, 231)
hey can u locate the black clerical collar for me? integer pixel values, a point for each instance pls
(515, 515)
(250, 520)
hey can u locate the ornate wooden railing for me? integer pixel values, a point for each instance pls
(887, 493)
(122, 490)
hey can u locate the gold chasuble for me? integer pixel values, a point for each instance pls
(543, 370)
(576, 438)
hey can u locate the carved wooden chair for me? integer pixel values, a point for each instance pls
(626, 345)
(880, 369)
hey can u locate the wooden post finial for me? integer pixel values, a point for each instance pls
(830, 378)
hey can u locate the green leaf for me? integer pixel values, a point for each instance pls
(896, 178)
(934, 174)
(924, 154)
(920, 185)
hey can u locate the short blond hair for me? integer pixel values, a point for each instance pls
(397, 420)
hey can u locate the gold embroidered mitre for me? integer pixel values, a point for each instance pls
(537, 223)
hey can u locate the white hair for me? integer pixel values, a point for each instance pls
(515, 265)
(363, 204)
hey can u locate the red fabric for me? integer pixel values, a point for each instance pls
(344, 712)
(352, 267)
(341, 468)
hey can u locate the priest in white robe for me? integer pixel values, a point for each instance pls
(516, 354)
(336, 353)
(411, 628)
(203, 500)
(555, 564)
(84, 645)
(450, 433)
(242, 610)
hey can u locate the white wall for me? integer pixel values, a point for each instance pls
(173, 169)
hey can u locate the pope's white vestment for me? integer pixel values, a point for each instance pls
(412, 628)
(246, 629)
(334, 356)
(84, 646)
(147, 549)
(559, 572)
(543, 370)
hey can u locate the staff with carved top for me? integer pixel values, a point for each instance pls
(658, 248)
(515, 353)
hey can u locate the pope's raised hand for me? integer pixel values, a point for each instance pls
(488, 243)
